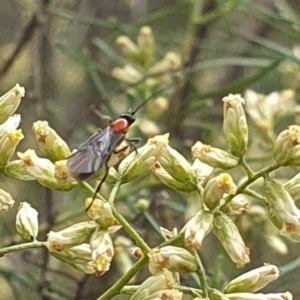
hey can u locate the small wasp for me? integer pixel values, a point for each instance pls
(95, 153)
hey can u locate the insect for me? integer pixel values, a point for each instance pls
(95, 153)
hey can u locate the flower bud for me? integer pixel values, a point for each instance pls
(126, 46)
(51, 145)
(174, 171)
(281, 202)
(217, 188)
(215, 294)
(170, 62)
(138, 164)
(79, 257)
(157, 107)
(46, 173)
(164, 294)
(127, 74)
(202, 171)
(100, 212)
(161, 281)
(238, 205)
(253, 280)
(250, 296)
(10, 101)
(8, 144)
(214, 157)
(197, 228)
(173, 258)
(277, 244)
(287, 147)
(15, 169)
(71, 236)
(142, 205)
(235, 124)
(6, 201)
(231, 240)
(27, 222)
(102, 250)
(11, 124)
(146, 44)
(293, 187)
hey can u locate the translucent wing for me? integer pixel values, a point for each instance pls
(93, 154)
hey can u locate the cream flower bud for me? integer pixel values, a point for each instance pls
(164, 294)
(293, 187)
(138, 164)
(51, 145)
(174, 171)
(79, 257)
(71, 236)
(126, 46)
(239, 205)
(167, 179)
(10, 101)
(8, 143)
(235, 124)
(127, 74)
(250, 296)
(27, 222)
(214, 157)
(197, 228)
(102, 250)
(215, 294)
(202, 171)
(230, 238)
(170, 62)
(157, 107)
(287, 147)
(217, 188)
(173, 258)
(46, 173)
(10, 125)
(6, 201)
(253, 280)
(160, 281)
(15, 169)
(277, 244)
(146, 44)
(281, 202)
(100, 212)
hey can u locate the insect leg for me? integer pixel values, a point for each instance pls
(99, 186)
(132, 142)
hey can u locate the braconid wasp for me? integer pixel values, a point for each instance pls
(95, 153)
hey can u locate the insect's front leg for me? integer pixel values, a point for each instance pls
(99, 185)
(132, 142)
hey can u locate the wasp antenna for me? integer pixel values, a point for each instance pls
(147, 100)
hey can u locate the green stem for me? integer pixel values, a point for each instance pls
(256, 196)
(247, 168)
(127, 227)
(31, 245)
(243, 186)
(201, 275)
(117, 287)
